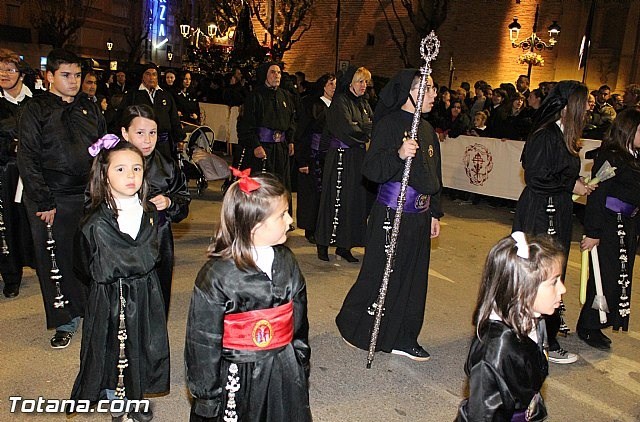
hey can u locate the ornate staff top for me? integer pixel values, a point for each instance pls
(429, 49)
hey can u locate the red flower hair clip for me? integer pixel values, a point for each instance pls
(246, 183)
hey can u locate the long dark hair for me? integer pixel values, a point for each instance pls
(621, 135)
(99, 190)
(240, 213)
(510, 283)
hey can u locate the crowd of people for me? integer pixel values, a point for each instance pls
(100, 187)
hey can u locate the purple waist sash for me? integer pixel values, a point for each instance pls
(337, 143)
(271, 136)
(315, 141)
(415, 202)
(519, 416)
(621, 207)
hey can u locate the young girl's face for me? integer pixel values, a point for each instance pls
(273, 229)
(550, 291)
(143, 133)
(124, 174)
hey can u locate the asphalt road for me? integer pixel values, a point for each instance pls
(601, 386)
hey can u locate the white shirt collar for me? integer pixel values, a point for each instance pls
(151, 94)
(24, 92)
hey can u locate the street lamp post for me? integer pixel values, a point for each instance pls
(533, 42)
(169, 54)
(109, 47)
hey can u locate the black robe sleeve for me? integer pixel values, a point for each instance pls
(166, 178)
(348, 119)
(203, 348)
(301, 322)
(82, 254)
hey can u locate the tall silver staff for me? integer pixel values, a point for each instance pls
(429, 48)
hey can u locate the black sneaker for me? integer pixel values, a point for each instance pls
(61, 339)
(594, 338)
(416, 353)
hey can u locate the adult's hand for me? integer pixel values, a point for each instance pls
(304, 170)
(259, 152)
(291, 149)
(47, 216)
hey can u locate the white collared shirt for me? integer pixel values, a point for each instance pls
(24, 92)
(152, 94)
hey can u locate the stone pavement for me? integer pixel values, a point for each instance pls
(601, 386)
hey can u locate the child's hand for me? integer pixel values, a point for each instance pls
(408, 149)
(588, 243)
(161, 202)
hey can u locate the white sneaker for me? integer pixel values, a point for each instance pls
(561, 356)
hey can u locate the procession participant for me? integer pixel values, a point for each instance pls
(164, 107)
(16, 247)
(611, 223)
(55, 130)
(551, 173)
(168, 189)
(384, 164)
(342, 215)
(267, 126)
(507, 362)
(309, 156)
(90, 85)
(247, 347)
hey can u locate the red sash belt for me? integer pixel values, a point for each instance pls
(262, 329)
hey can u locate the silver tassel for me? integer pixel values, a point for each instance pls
(123, 362)
(55, 275)
(336, 219)
(551, 212)
(624, 308)
(429, 48)
(4, 248)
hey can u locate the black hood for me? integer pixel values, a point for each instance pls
(261, 72)
(394, 94)
(345, 79)
(553, 104)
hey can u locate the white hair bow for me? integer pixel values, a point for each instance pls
(521, 244)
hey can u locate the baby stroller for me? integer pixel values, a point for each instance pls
(197, 160)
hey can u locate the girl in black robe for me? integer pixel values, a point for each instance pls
(507, 362)
(551, 173)
(168, 189)
(384, 164)
(342, 216)
(116, 254)
(611, 223)
(247, 348)
(309, 155)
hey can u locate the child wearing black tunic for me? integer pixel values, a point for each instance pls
(125, 349)
(247, 350)
(507, 362)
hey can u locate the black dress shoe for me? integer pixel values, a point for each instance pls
(346, 255)
(11, 290)
(416, 353)
(61, 339)
(323, 253)
(594, 338)
(141, 416)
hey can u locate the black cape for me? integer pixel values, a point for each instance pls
(505, 376)
(105, 255)
(273, 383)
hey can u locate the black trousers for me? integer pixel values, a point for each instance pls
(69, 212)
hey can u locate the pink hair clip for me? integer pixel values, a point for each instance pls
(108, 141)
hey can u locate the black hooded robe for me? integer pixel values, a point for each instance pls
(104, 256)
(349, 120)
(273, 109)
(407, 291)
(273, 384)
